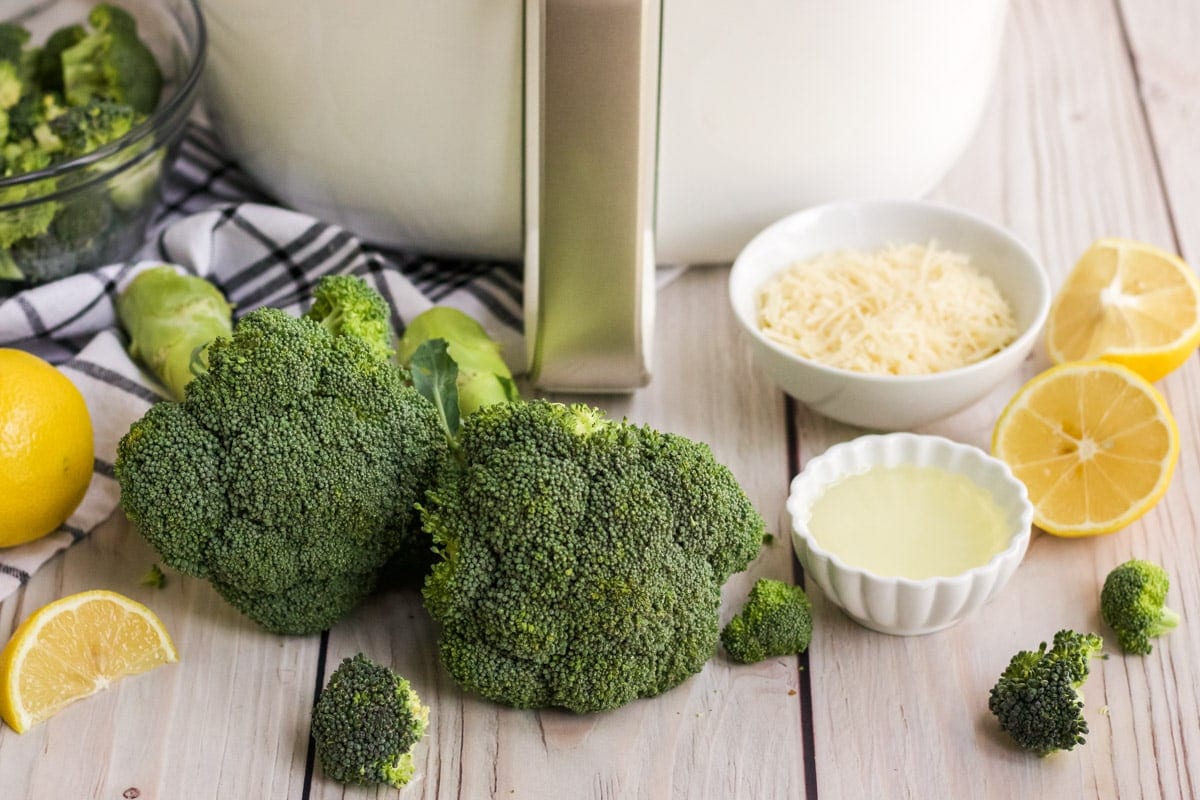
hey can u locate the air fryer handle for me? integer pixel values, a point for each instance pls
(591, 100)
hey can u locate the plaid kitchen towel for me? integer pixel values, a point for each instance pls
(215, 223)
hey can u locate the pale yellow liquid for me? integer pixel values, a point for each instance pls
(907, 521)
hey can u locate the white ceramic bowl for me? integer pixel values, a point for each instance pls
(899, 605)
(889, 402)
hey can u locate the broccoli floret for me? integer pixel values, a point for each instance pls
(111, 63)
(1038, 699)
(1133, 603)
(344, 304)
(29, 120)
(483, 376)
(154, 577)
(13, 39)
(582, 559)
(366, 723)
(11, 88)
(775, 621)
(288, 474)
(78, 234)
(48, 66)
(23, 221)
(12, 70)
(85, 128)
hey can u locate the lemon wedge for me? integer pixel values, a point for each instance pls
(1129, 303)
(73, 648)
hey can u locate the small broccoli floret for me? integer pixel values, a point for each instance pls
(1133, 603)
(344, 304)
(288, 474)
(11, 88)
(775, 621)
(483, 376)
(111, 63)
(366, 723)
(23, 221)
(1038, 699)
(13, 39)
(83, 129)
(154, 577)
(582, 559)
(48, 66)
(29, 120)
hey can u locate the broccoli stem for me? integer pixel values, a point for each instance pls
(1167, 622)
(171, 319)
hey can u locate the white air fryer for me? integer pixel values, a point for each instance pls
(593, 138)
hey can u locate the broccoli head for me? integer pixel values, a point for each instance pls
(776, 621)
(1038, 699)
(111, 63)
(1133, 603)
(582, 559)
(344, 304)
(288, 474)
(366, 723)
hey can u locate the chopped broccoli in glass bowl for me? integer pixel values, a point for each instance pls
(94, 98)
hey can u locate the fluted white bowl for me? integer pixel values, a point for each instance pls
(899, 605)
(889, 402)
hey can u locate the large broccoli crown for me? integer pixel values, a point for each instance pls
(1038, 699)
(366, 723)
(1133, 603)
(582, 558)
(288, 474)
(776, 621)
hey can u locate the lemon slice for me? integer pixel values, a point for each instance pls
(74, 647)
(1093, 442)
(1128, 303)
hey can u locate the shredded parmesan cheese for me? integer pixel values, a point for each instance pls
(904, 310)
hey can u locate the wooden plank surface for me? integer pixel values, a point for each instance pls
(1069, 150)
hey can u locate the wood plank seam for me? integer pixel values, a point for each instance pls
(807, 728)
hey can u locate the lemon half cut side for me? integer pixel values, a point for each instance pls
(1093, 442)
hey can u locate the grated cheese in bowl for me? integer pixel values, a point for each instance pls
(906, 309)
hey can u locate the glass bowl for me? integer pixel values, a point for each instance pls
(101, 204)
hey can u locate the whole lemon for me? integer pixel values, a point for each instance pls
(46, 447)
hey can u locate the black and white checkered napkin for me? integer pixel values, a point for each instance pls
(215, 223)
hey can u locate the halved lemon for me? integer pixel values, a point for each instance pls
(73, 648)
(1129, 303)
(1093, 442)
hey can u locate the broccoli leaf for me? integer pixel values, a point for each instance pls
(435, 376)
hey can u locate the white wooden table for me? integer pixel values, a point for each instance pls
(1094, 130)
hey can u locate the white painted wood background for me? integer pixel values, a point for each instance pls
(1093, 130)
